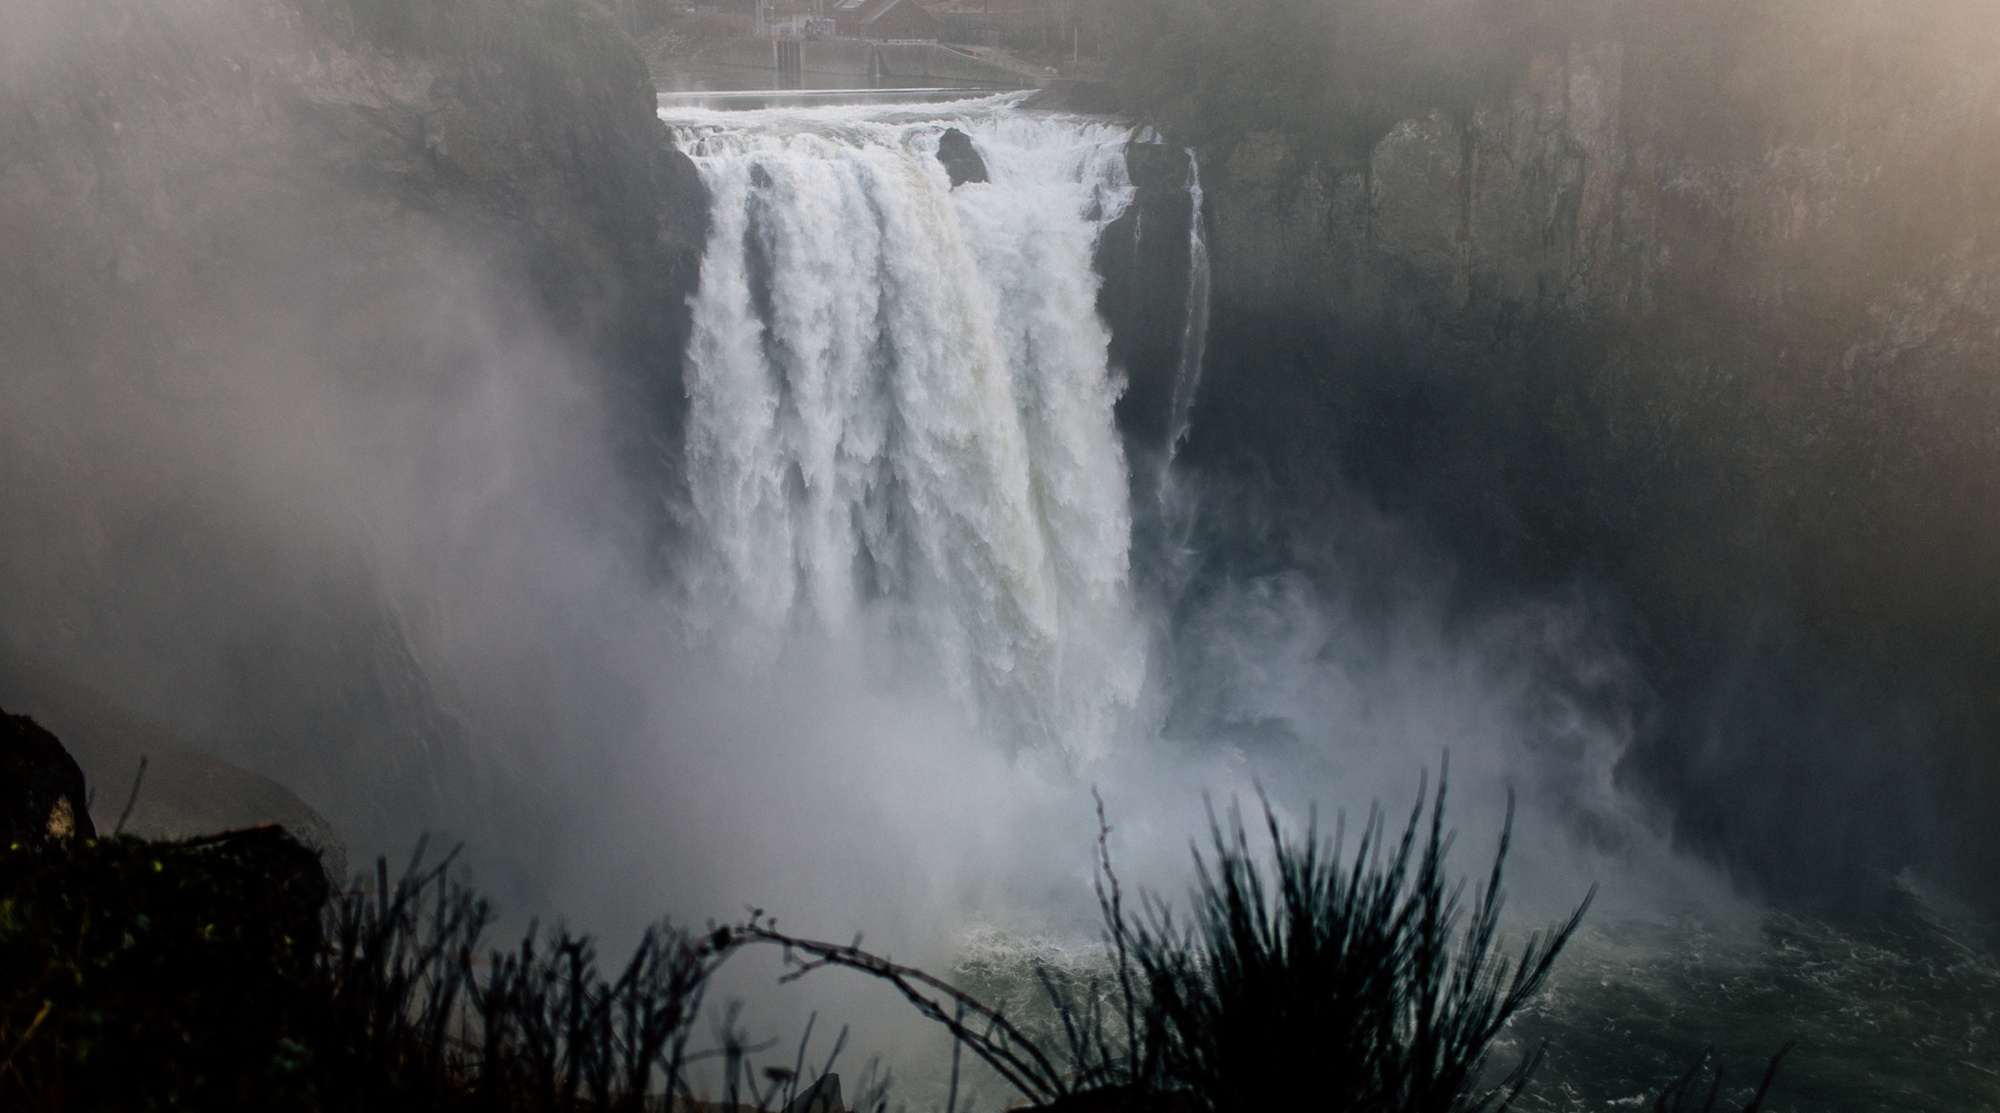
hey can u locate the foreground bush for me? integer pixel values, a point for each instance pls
(1351, 981)
(217, 975)
(140, 975)
(1351, 978)
(1302, 977)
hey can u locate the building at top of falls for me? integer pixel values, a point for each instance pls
(904, 20)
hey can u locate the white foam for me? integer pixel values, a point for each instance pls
(900, 408)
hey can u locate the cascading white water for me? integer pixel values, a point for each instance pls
(1194, 330)
(900, 409)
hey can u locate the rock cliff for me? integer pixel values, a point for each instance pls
(1699, 303)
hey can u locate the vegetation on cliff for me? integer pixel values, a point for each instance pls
(217, 974)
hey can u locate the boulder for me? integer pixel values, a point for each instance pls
(41, 787)
(961, 159)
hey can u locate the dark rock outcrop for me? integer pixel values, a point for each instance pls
(961, 159)
(186, 794)
(1143, 257)
(42, 796)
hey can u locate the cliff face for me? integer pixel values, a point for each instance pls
(296, 298)
(1702, 304)
(1822, 175)
(156, 156)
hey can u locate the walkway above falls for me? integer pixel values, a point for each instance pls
(853, 60)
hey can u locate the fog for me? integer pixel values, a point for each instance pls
(313, 473)
(314, 481)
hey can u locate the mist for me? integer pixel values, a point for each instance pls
(320, 484)
(361, 472)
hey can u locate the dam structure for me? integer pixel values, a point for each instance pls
(885, 63)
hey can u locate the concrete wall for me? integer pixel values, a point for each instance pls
(844, 57)
(855, 58)
(754, 53)
(934, 61)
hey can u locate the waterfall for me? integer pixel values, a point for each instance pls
(900, 412)
(1194, 330)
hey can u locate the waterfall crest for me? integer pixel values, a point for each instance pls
(900, 412)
